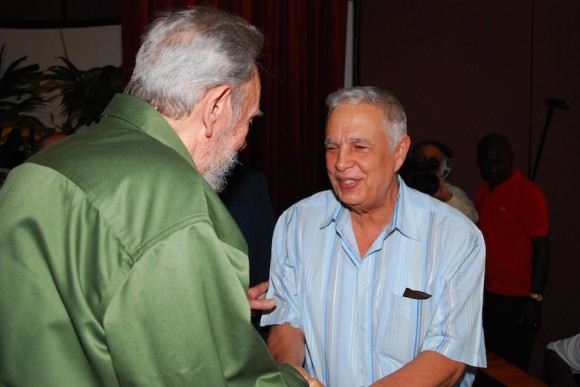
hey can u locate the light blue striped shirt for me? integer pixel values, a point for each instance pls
(358, 325)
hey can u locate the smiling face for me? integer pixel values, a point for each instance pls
(360, 166)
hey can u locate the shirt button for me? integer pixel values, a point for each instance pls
(364, 285)
(362, 371)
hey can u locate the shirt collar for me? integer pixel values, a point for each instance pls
(516, 175)
(333, 212)
(404, 217)
(146, 119)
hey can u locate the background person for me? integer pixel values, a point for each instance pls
(247, 199)
(513, 217)
(446, 192)
(119, 263)
(375, 283)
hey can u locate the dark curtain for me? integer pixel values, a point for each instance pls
(303, 61)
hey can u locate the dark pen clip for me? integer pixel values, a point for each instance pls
(416, 294)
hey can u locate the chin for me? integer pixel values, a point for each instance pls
(346, 199)
(217, 175)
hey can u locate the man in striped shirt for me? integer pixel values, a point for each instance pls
(375, 283)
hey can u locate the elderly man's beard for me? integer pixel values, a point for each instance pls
(221, 163)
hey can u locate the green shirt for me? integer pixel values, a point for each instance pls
(120, 266)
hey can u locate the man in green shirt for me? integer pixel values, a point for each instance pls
(119, 265)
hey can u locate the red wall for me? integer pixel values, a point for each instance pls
(463, 69)
(58, 13)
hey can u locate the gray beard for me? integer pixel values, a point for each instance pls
(217, 175)
(218, 170)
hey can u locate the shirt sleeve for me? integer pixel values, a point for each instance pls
(283, 284)
(182, 316)
(569, 350)
(456, 329)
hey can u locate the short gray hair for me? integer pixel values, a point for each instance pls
(395, 119)
(186, 53)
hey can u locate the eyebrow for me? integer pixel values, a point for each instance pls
(350, 140)
(357, 140)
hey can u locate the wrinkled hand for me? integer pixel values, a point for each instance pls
(312, 381)
(257, 297)
(442, 192)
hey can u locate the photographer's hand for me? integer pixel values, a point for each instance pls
(442, 192)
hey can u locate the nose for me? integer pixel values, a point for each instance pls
(244, 145)
(343, 159)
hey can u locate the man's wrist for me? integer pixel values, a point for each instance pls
(536, 297)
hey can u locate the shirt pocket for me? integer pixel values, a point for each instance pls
(402, 325)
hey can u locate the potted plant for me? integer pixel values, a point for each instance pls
(25, 91)
(20, 98)
(84, 93)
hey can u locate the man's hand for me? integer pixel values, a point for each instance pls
(427, 369)
(312, 381)
(442, 192)
(257, 297)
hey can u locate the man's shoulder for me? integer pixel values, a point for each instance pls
(519, 179)
(112, 153)
(421, 207)
(455, 189)
(321, 205)
(521, 188)
(419, 201)
(321, 199)
(125, 176)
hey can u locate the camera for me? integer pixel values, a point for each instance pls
(420, 173)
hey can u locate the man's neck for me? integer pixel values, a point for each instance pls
(368, 225)
(493, 186)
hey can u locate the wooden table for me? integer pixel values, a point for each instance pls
(505, 374)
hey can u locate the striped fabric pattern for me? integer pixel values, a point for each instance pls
(358, 325)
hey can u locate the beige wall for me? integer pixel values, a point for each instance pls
(86, 47)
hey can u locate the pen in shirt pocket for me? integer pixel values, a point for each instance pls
(416, 294)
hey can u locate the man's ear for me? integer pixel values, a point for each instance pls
(401, 151)
(218, 106)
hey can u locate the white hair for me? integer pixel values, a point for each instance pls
(186, 53)
(395, 119)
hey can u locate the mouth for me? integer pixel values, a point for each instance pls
(346, 184)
